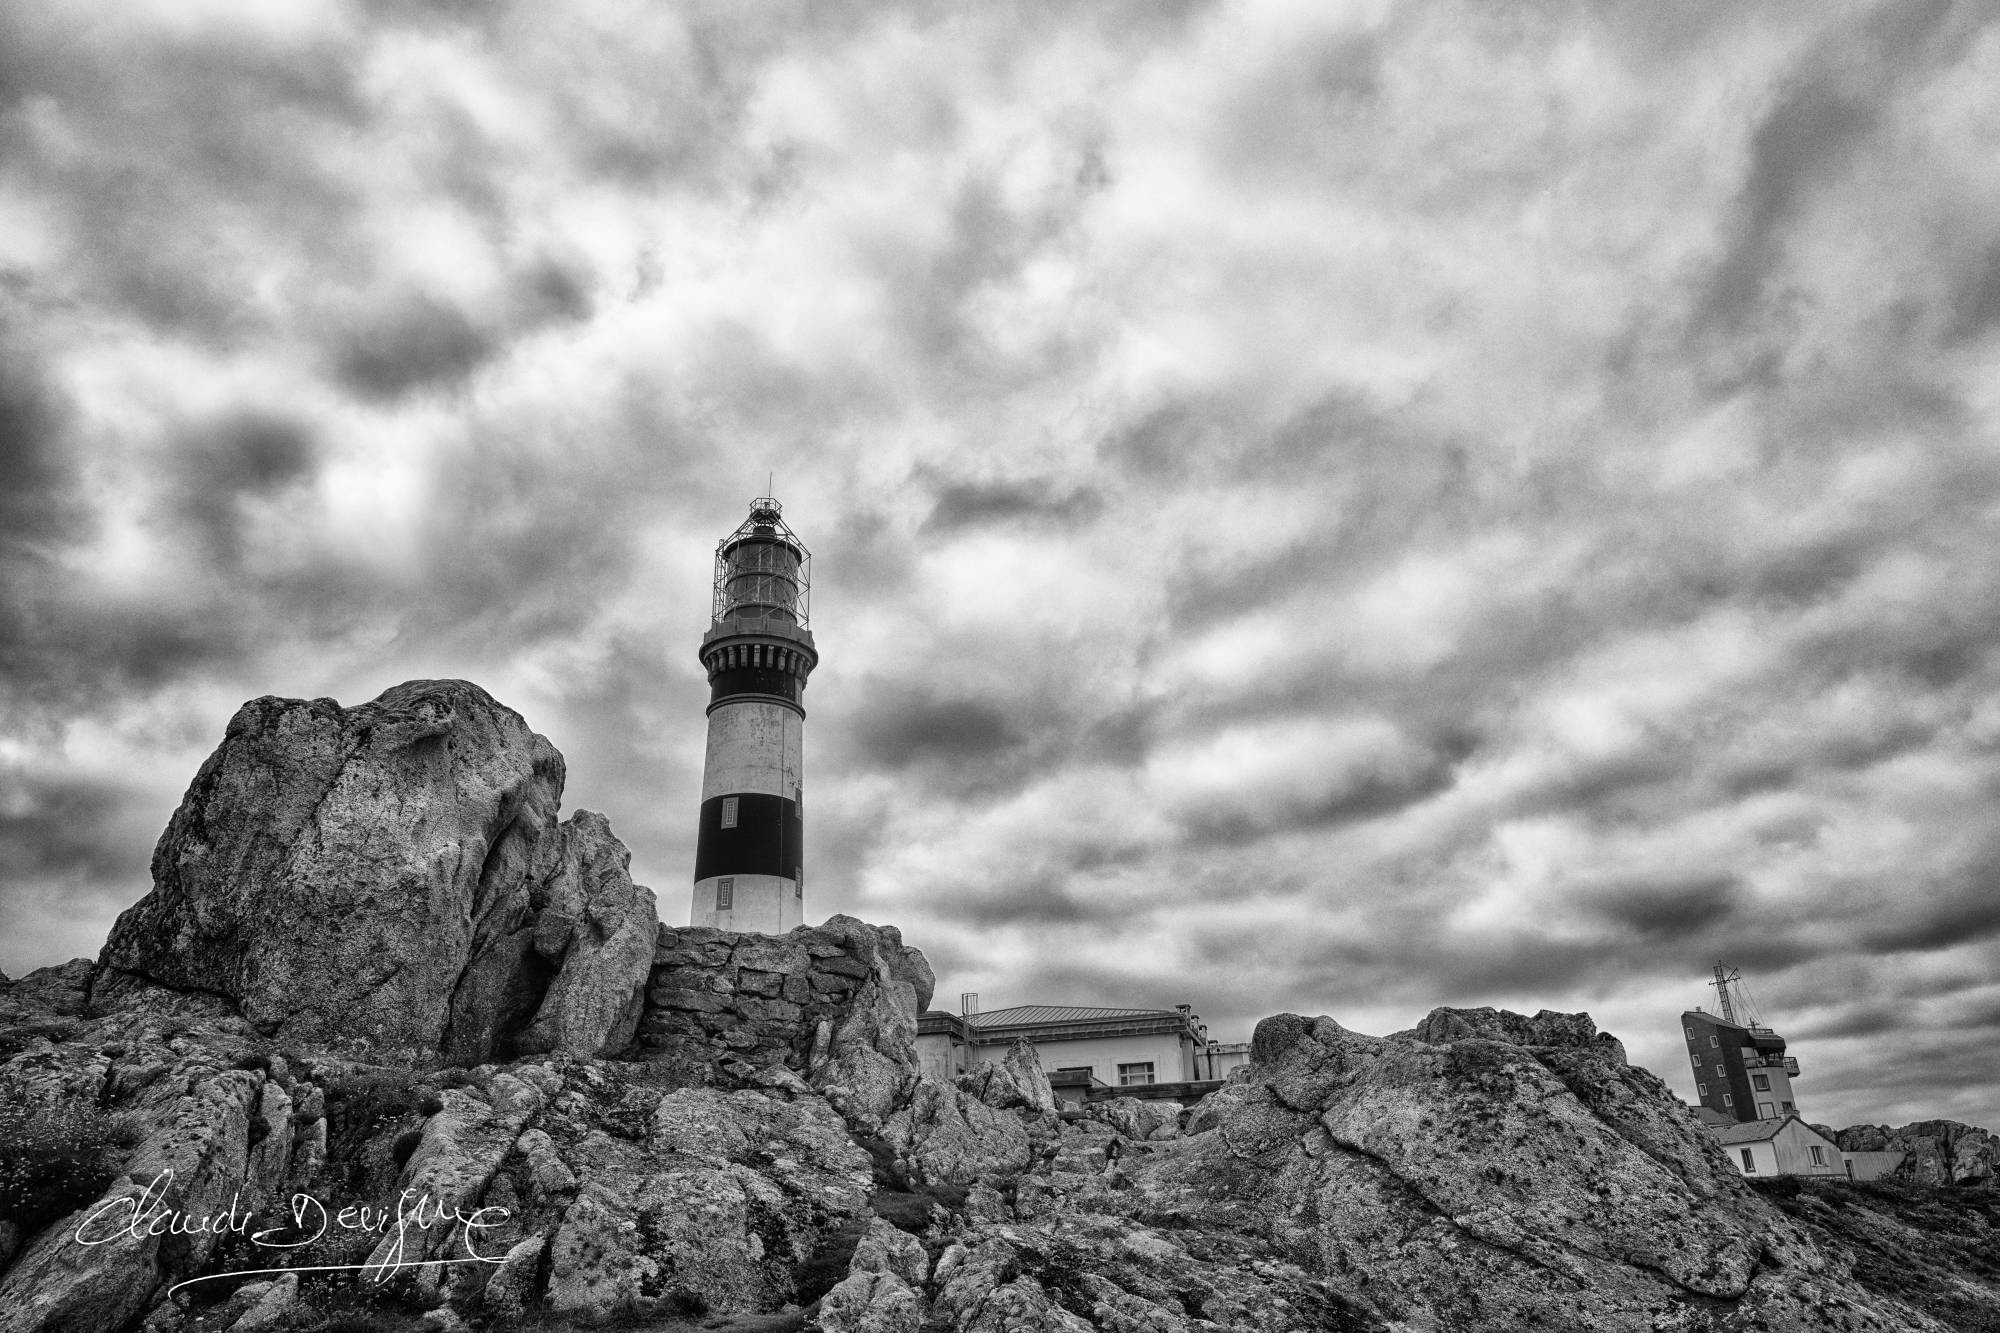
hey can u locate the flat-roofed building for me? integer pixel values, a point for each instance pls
(1084, 1048)
(1740, 1072)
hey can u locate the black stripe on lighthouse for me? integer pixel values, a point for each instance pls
(753, 680)
(769, 837)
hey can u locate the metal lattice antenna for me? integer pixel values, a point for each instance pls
(1723, 976)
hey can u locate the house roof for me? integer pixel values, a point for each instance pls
(1756, 1131)
(1060, 1013)
(1748, 1131)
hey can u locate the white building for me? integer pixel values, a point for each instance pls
(1086, 1048)
(1782, 1146)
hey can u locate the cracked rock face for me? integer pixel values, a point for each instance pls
(393, 872)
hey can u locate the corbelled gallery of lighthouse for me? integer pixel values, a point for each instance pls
(749, 864)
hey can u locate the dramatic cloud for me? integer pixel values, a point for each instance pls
(1329, 508)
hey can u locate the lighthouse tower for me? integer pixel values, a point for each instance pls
(749, 861)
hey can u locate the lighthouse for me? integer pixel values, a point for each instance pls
(749, 861)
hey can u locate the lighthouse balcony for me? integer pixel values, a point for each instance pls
(777, 631)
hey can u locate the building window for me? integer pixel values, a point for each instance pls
(1764, 1111)
(1726, 1100)
(1701, 1089)
(1689, 1031)
(725, 894)
(1715, 1041)
(1787, 1106)
(1760, 1082)
(729, 812)
(1818, 1156)
(1134, 1074)
(1749, 1163)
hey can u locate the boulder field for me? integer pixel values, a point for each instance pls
(387, 1025)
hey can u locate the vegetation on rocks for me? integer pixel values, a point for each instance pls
(1934, 1248)
(55, 1156)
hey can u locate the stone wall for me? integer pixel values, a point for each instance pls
(742, 1002)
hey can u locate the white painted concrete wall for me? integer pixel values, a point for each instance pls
(940, 1056)
(1872, 1165)
(1225, 1060)
(754, 746)
(1795, 1143)
(1103, 1055)
(1763, 1156)
(1777, 1097)
(767, 904)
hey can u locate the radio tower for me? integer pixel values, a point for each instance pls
(749, 861)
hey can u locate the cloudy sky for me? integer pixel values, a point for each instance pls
(1339, 508)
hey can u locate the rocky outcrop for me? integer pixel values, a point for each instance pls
(1347, 1182)
(766, 1147)
(880, 1293)
(993, 1122)
(198, 1124)
(597, 931)
(1935, 1152)
(392, 873)
(717, 1208)
(1468, 1182)
(1137, 1120)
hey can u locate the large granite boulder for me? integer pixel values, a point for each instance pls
(393, 873)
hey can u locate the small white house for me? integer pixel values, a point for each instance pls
(1781, 1146)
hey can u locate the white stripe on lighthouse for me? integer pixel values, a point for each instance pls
(754, 745)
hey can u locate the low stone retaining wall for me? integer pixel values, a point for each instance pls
(737, 999)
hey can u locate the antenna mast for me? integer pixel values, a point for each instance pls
(1723, 977)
